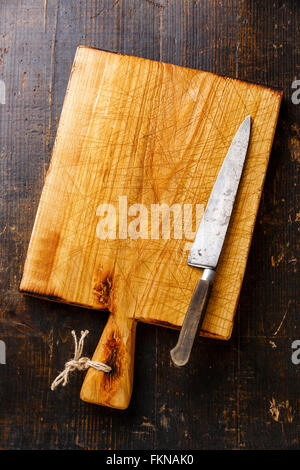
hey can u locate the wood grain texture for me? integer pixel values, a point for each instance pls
(152, 133)
(227, 385)
(115, 348)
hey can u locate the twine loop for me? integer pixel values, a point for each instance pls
(78, 362)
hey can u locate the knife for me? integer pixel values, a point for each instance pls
(208, 243)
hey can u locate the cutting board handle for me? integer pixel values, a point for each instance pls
(116, 349)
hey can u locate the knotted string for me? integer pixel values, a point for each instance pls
(78, 362)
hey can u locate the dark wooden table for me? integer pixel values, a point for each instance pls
(222, 399)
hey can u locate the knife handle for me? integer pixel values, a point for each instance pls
(193, 319)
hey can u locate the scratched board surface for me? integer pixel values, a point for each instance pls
(227, 385)
(148, 133)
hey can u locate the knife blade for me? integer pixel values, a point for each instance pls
(210, 236)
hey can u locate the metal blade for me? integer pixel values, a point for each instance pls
(211, 233)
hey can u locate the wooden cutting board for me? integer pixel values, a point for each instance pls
(152, 133)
